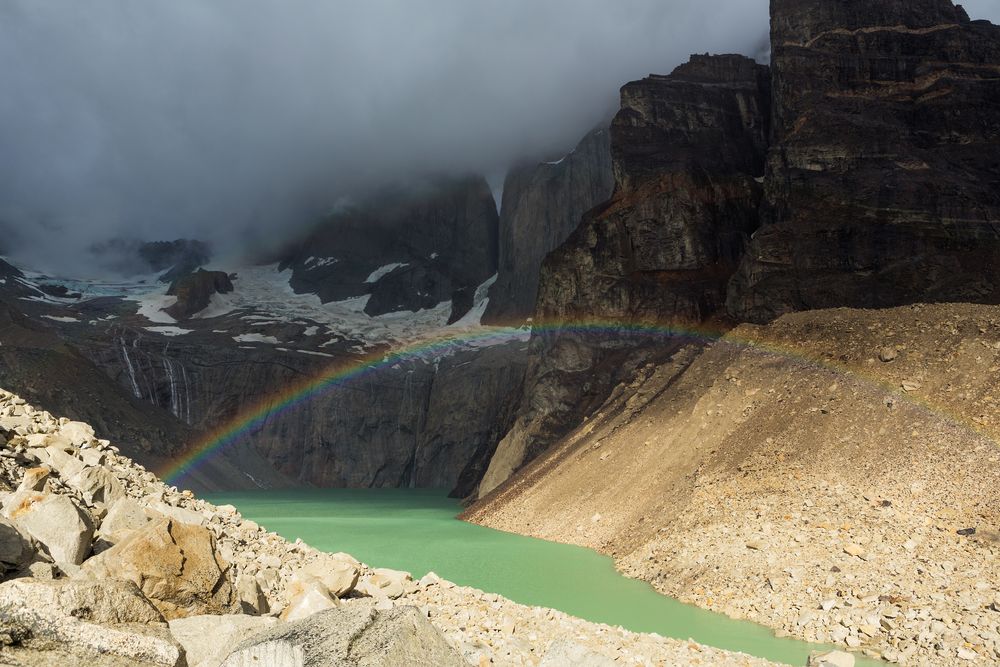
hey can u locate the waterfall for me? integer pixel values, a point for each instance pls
(130, 367)
(175, 397)
(187, 395)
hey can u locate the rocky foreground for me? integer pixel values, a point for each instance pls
(105, 565)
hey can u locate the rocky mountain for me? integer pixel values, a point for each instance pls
(407, 247)
(859, 169)
(542, 205)
(173, 363)
(883, 183)
(687, 151)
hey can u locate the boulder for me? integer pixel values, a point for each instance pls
(15, 549)
(306, 596)
(175, 564)
(354, 635)
(87, 619)
(55, 521)
(250, 596)
(59, 460)
(207, 640)
(124, 517)
(98, 486)
(34, 479)
(78, 433)
(831, 659)
(338, 572)
(111, 601)
(569, 653)
(386, 583)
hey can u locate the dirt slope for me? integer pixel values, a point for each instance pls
(792, 476)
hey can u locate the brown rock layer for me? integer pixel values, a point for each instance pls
(883, 183)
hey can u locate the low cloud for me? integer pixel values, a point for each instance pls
(230, 120)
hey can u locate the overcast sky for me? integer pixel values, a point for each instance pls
(205, 118)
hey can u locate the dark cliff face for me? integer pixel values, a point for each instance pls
(687, 151)
(194, 292)
(542, 205)
(409, 247)
(883, 183)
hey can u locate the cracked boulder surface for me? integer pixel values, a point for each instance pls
(176, 566)
(356, 636)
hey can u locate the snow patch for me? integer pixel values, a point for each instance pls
(256, 338)
(378, 273)
(151, 307)
(60, 318)
(169, 331)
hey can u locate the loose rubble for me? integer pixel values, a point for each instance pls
(103, 565)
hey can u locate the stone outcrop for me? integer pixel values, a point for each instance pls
(542, 205)
(194, 292)
(883, 186)
(687, 151)
(83, 621)
(355, 637)
(176, 565)
(407, 247)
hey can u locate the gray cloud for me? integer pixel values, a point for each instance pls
(235, 119)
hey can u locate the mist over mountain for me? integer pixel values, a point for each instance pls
(238, 119)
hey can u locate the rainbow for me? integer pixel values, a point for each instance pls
(444, 343)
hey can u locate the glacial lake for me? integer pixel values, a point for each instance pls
(416, 531)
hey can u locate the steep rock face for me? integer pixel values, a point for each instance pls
(687, 151)
(412, 424)
(542, 205)
(883, 183)
(409, 247)
(195, 290)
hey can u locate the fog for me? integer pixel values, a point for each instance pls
(236, 121)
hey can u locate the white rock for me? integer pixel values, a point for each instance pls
(308, 598)
(831, 659)
(208, 639)
(78, 433)
(57, 523)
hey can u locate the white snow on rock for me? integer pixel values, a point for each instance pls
(256, 338)
(169, 331)
(378, 273)
(151, 306)
(317, 262)
(59, 318)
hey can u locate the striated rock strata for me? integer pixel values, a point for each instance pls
(883, 176)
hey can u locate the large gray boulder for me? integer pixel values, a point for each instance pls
(98, 486)
(91, 623)
(207, 640)
(55, 521)
(351, 636)
(15, 548)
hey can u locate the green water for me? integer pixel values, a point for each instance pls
(417, 531)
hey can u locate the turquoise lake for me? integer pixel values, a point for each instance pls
(416, 531)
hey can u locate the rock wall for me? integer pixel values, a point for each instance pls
(416, 424)
(862, 170)
(542, 205)
(434, 240)
(687, 151)
(883, 178)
